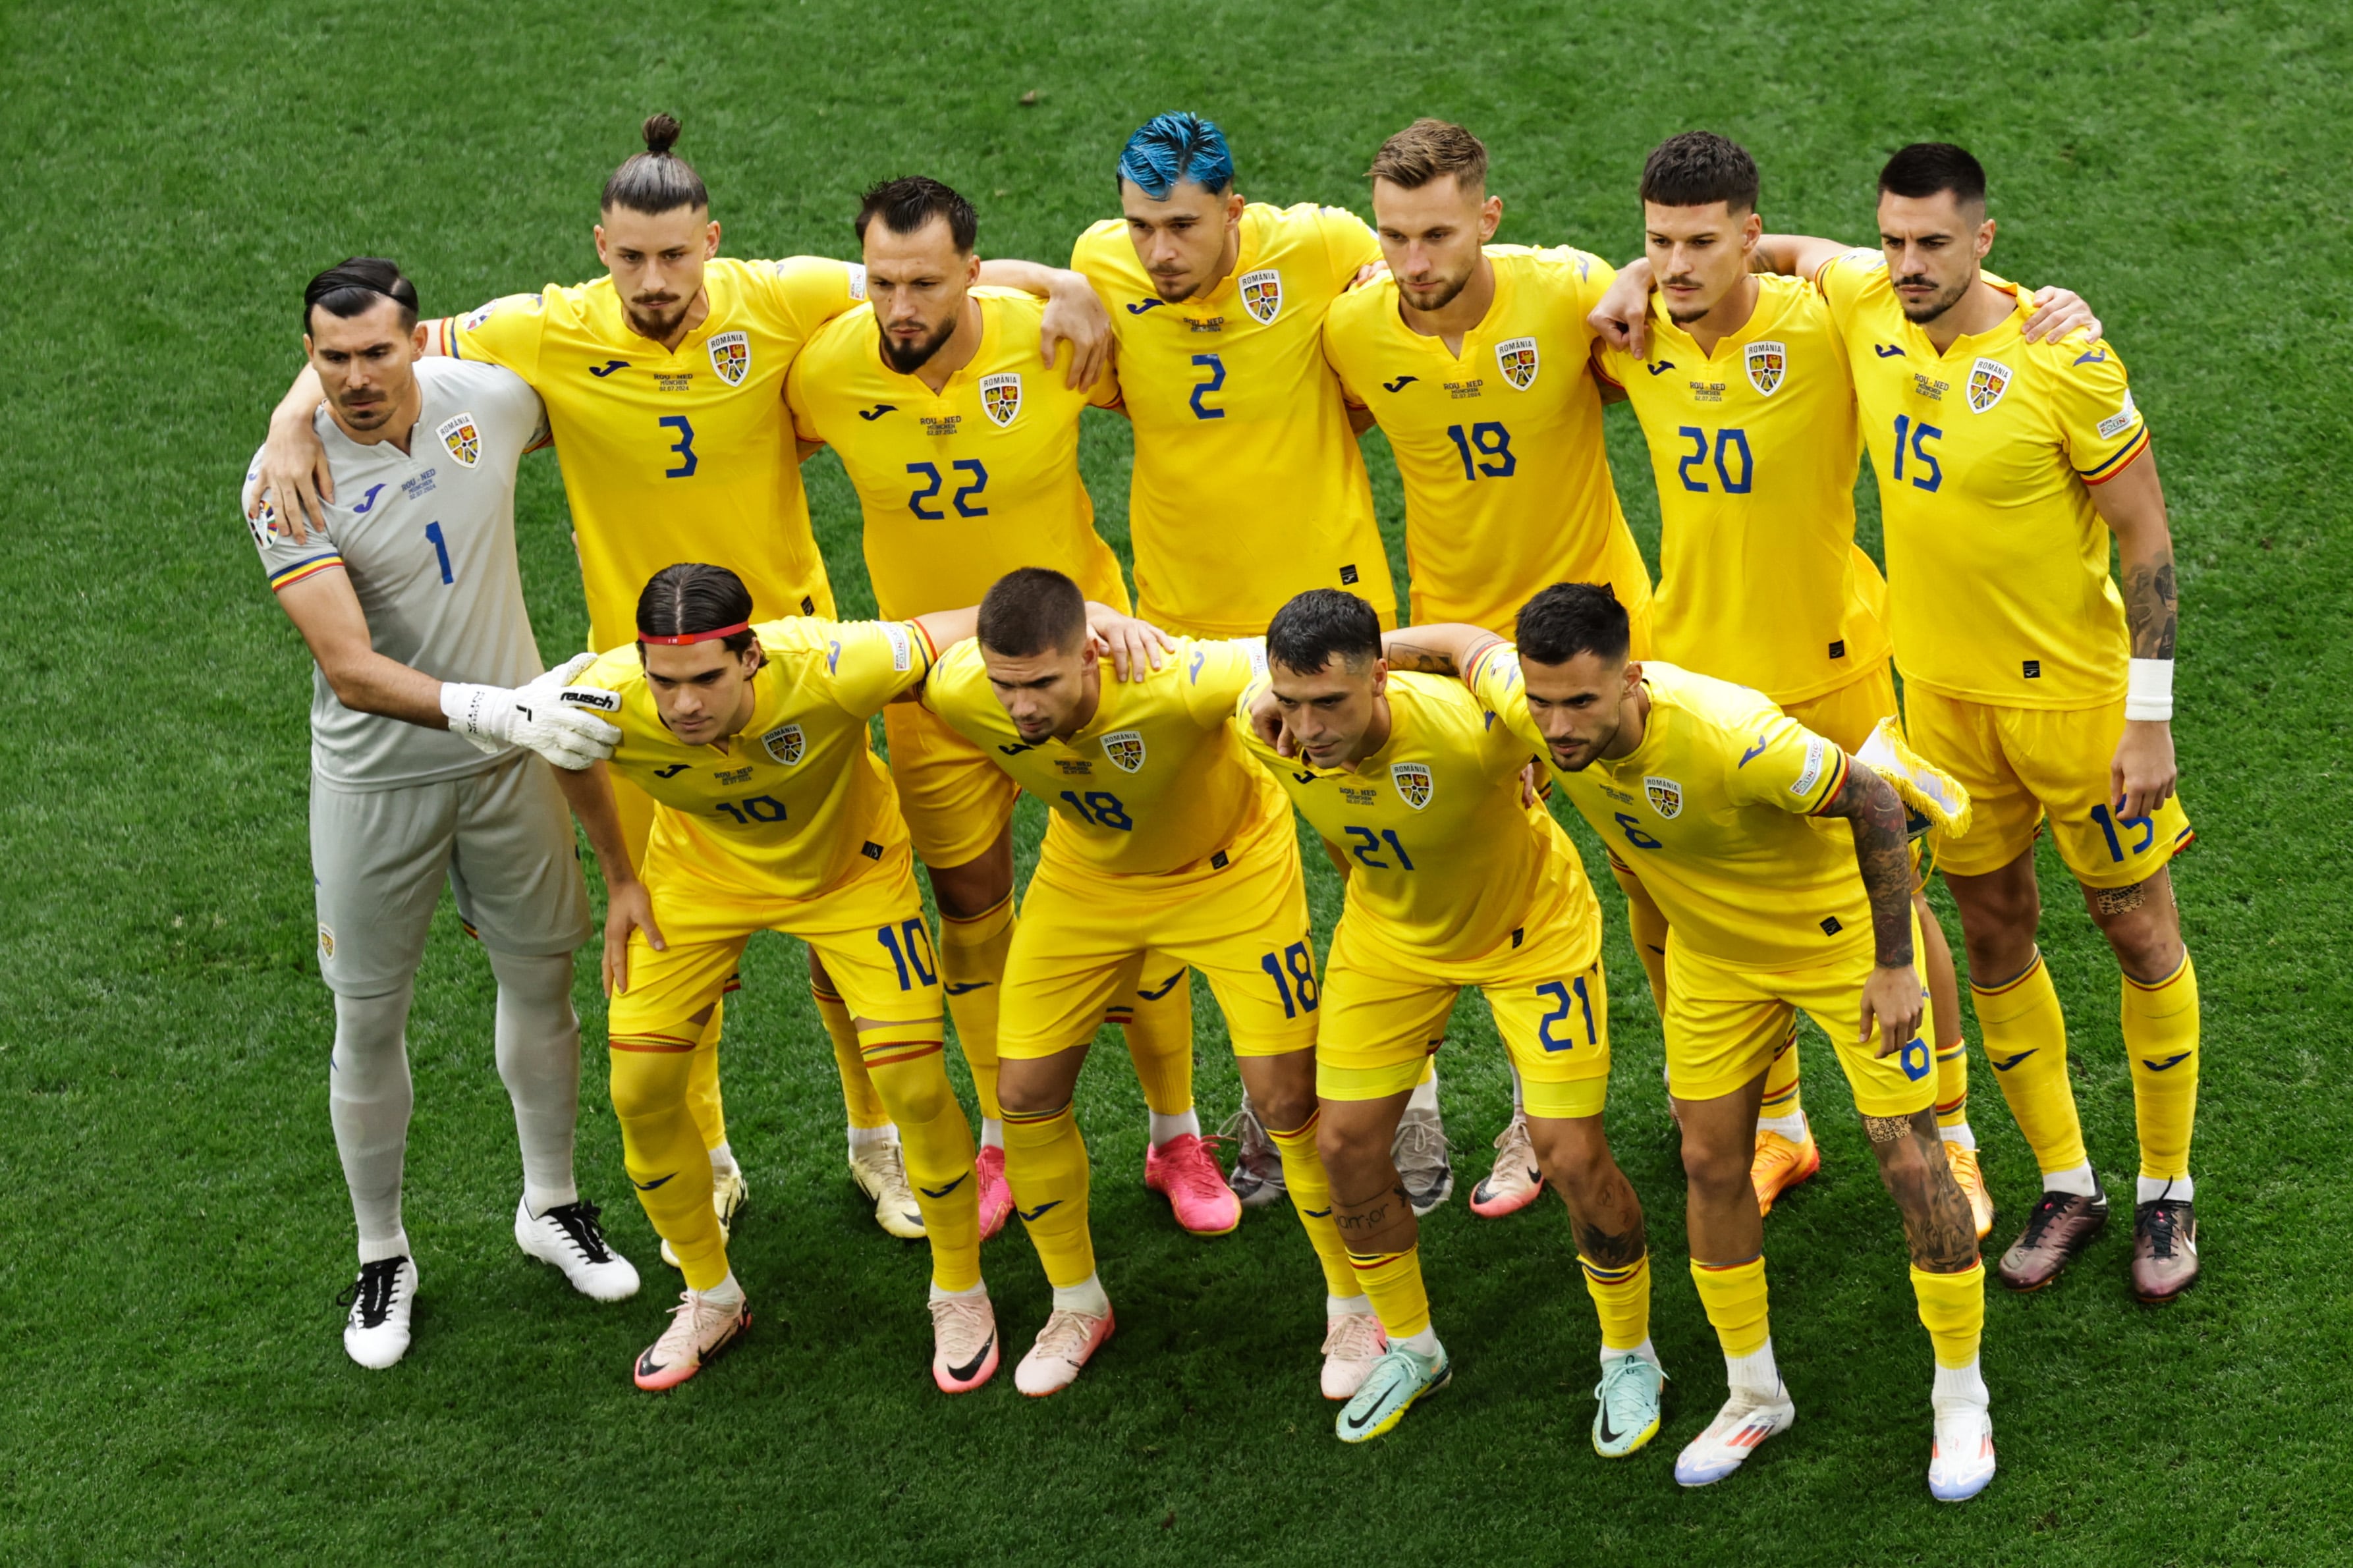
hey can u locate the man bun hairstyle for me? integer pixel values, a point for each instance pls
(906, 204)
(1428, 149)
(656, 181)
(1170, 148)
(1033, 610)
(690, 598)
(357, 284)
(1699, 168)
(1572, 618)
(1930, 168)
(1322, 625)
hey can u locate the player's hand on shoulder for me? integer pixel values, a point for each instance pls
(1074, 314)
(1266, 723)
(544, 716)
(291, 475)
(1135, 646)
(2059, 311)
(1622, 316)
(2143, 774)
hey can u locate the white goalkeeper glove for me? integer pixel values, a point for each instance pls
(494, 717)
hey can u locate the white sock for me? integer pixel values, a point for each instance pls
(1959, 1133)
(1792, 1126)
(2079, 1181)
(940, 1295)
(1163, 1128)
(1754, 1374)
(1958, 1387)
(1642, 1350)
(2180, 1189)
(862, 1136)
(726, 1293)
(723, 1160)
(393, 1245)
(1086, 1296)
(1346, 1306)
(992, 1132)
(1425, 1095)
(1423, 1343)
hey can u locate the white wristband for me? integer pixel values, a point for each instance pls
(2148, 690)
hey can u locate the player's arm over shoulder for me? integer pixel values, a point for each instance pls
(505, 331)
(801, 293)
(1213, 675)
(865, 664)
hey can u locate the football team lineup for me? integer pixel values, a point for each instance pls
(1771, 808)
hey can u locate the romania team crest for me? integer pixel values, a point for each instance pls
(1666, 796)
(1412, 781)
(784, 743)
(1125, 749)
(1517, 359)
(731, 356)
(1769, 366)
(1988, 379)
(326, 940)
(465, 442)
(1000, 398)
(1262, 294)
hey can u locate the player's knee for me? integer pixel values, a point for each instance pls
(1287, 1110)
(1350, 1144)
(640, 1089)
(916, 1092)
(1575, 1160)
(1717, 1170)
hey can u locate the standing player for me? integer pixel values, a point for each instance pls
(1219, 306)
(409, 601)
(663, 382)
(2027, 675)
(1770, 909)
(1454, 882)
(1473, 358)
(1163, 837)
(963, 446)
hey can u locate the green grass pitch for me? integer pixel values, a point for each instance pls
(173, 1222)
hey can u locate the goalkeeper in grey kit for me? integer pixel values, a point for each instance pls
(429, 720)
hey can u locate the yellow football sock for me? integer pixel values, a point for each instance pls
(1733, 1295)
(1953, 1084)
(971, 971)
(1952, 1308)
(1781, 1096)
(1157, 1018)
(2161, 1036)
(1648, 927)
(1046, 1167)
(2026, 1044)
(1621, 1298)
(1393, 1279)
(1311, 1195)
(663, 1152)
(911, 1075)
(702, 1101)
(858, 1097)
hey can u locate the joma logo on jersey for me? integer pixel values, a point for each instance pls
(1768, 365)
(784, 743)
(1000, 398)
(1125, 749)
(1666, 796)
(1988, 379)
(1412, 781)
(465, 442)
(1517, 359)
(1262, 294)
(731, 357)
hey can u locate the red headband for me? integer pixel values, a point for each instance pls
(714, 635)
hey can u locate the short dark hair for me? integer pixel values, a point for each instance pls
(1699, 167)
(656, 181)
(1930, 168)
(1570, 618)
(1321, 624)
(691, 597)
(1170, 148)
(906, 204)
(1031, 611)
(355, 285)
(1429, 150)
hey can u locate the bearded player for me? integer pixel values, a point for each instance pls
(2004, 467)
(963, 446)
(663, 382)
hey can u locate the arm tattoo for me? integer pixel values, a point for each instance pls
(1883, 855)
(1407, 656)
(2152, 608)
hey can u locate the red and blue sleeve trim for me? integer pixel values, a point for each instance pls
(282, 581)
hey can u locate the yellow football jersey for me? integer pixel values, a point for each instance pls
(795, 803)
(1997, 580)
(1754, 451)
(675, 455)
(1156, 782)
(1715, 812)
(1247, 488)
(1443, 860)
(1507, 487)
(961, 487)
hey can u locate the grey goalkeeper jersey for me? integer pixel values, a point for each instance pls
(426, 538)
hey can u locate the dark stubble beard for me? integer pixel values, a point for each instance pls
(906, 358)
(1921, 315)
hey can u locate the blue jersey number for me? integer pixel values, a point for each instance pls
(684, 446)
(441, 550)
(759, 808)
(1632, 827)
(1493, 445)
(1731, 444)
(909, 946)
(1294, 978)
(1921, 434)
(963, 496)
(2109, 822)
(1216, 379)
(1099, 808)
(1368, 846)
(1566, 999)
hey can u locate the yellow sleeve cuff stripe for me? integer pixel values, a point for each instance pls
(282, 581)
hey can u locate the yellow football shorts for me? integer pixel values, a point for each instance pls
(1239, 917)
(869, 931)
(2018, 764)
(1847, 716)
(1723, 1022)
(956, 802)
(1385, 1011)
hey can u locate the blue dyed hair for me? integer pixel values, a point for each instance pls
(1169, 148)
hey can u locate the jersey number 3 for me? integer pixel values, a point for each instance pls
(684, 446)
